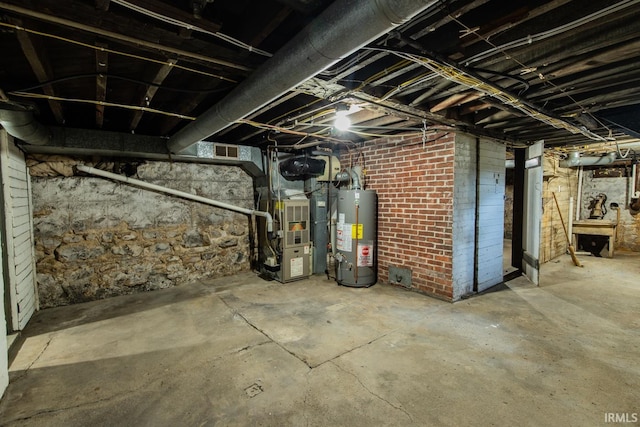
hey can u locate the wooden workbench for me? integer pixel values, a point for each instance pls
(598, 227)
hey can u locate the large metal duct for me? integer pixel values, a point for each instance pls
(574, 160)
(20, 123)
(341, 29)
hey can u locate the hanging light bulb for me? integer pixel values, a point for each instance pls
(342, 122)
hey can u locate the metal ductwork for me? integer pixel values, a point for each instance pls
(20, 123)
(344, 27)
(574, 160)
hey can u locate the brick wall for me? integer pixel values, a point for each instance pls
(414, 184)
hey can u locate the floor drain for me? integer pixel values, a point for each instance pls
(253, 390)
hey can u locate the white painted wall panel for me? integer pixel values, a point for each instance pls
(18, 232)
(491, 214)
(4, 350)
(464, 200)
(490, 191)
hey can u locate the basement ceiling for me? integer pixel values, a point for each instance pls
(566, 71)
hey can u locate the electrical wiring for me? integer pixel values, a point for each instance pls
(281, 129)
(344, 67)
(502, 50)
(103, 103)
(117, 77)
(192, 27)
(546, 34)
(280, 117)
(464, 78)
(116, 52)
(405, 85)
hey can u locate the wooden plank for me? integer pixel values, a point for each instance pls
(18, 185)
(26, 309)
(19, 201)
(102, 67)
(8, 230)
(41, 66)
(16, 168)
(24, 277)
(22, 228)
(17, 175)
(16, 161)
(176, 13)
(77, 8)
(17, 222)
(159, 78)
(23, 239)
(23, 249)
(271, 26)
(455, 100)
(22, 211)
(103, 5)
(34, 284)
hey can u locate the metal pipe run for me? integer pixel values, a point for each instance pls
(154, 187)
(353, 24)
(21, 124)
(574, 159)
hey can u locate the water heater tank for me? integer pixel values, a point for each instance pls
(355, 246)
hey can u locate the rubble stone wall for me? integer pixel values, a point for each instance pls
(96, 238)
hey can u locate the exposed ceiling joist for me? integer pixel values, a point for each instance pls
(40, 65)
(102, 67)
(157, 81)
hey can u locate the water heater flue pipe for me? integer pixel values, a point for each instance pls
(154, 187)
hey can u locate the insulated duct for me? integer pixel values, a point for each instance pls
(154, 187)
(20, 123)
(344, 27)
(574, 160)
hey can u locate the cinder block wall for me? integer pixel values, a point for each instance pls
(97, 238)
(414, 183)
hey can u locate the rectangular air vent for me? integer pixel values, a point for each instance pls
(226, 151)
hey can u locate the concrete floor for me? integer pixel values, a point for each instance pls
(242, 351)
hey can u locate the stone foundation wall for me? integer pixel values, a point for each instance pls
(97, 238)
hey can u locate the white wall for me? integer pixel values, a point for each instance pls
(18, 230)
(464, 215)
(490, 237)
(4, 350)
(491, 191)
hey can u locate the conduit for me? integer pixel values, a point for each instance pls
(353, 24)
(20, 123)
(154, 187)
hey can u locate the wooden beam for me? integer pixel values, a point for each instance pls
(455, 100)
(169, 123)
(102, 5)
(161, 75)
(182, 15)
(102, 67)
(46, 17)
(39, 61)
(271, 26)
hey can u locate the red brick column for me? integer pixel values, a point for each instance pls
(414, 183)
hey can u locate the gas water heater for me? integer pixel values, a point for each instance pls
(355, 244)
